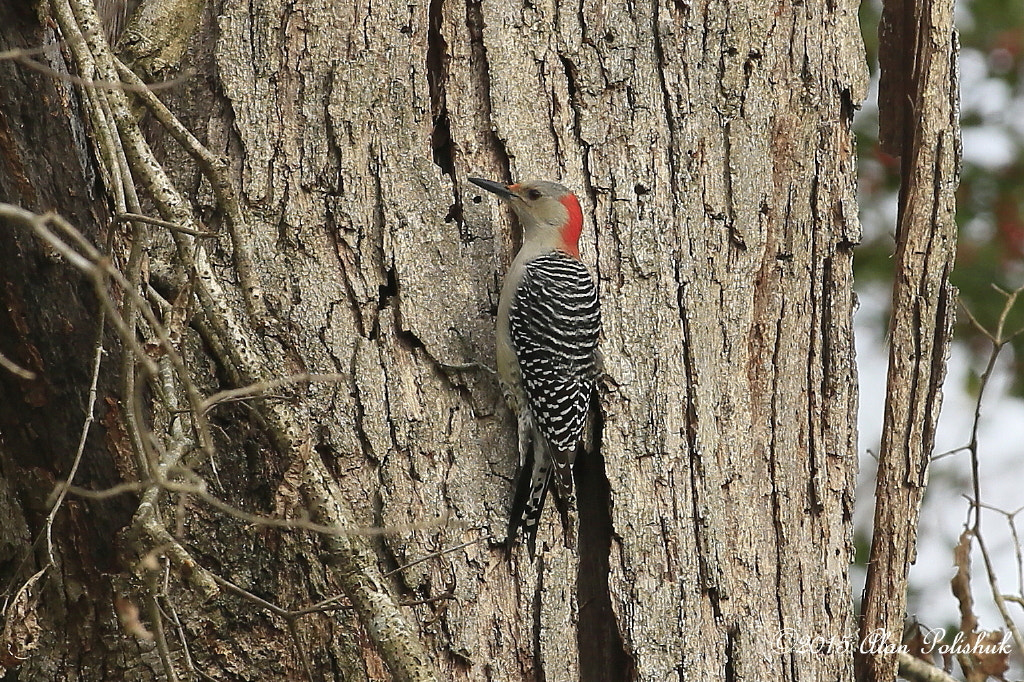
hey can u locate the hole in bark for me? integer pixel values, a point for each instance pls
(387, 290)
(442, 145)
(454, 214)
(681, 6)
(848, 106)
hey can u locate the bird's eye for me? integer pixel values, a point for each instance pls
(533, 194)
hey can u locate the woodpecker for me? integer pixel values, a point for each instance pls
(549, 320)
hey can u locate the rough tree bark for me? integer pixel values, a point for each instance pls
(919, 116)
(711, 148)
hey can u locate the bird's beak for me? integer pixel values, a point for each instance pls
(499, 189)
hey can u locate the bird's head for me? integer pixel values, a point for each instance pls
(548, 211)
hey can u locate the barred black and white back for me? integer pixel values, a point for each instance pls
(555, 322)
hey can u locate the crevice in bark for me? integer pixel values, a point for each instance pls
(390, 295)
(602, 652)
(440, 135)
(573, 89)
(481, 69)
(730, 653)
(332, 230)
(441, 143)
(778, 524)
(387, 294)
(538, 652)
(735, 236)
(818, 352)
(828, 370)
(705, 579)
(666, 96)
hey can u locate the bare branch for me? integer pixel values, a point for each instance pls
(200, 492)
(128, 217)
(157, 621)
(978, 326)
(434, 555)
(213, 169)
(263, 386)
(916, 670)
(90, 406)
(233, 341)
(997, 595)
(24, 52)
(15, 369)
(91, 84)
(999, 340)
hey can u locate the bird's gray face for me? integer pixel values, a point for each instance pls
(538, 203)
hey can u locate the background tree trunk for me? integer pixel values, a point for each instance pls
(710, 146)
(920, 114)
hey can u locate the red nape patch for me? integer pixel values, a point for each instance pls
(574, 226)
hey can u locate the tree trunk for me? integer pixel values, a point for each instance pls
(710, 145)
(919, 113)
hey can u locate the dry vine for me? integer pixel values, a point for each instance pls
(144, 321)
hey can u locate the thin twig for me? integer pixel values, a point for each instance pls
(129, 217)
(91, 84)
(157, 623)
(972, 446)
(444, 596)
(86, 264)
(15, 369)
(214, 169)
(997, 596)
(293, 630)
(24, 52)
(242, 592)
(238, 348)
(90, 406)
(999, 340)
(263, 386)
(173, 616)
(434, 555)
(330, 604)
(290, 618)
(949, 453)
(98, 268)
(200, 492)
(916, 670)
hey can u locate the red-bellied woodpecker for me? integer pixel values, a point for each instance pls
(549, 320)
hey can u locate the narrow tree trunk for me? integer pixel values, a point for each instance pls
(711, 148)
(920, 123)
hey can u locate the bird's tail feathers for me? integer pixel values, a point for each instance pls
(528, 504)
(541, 467)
